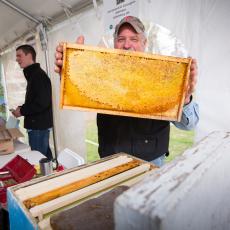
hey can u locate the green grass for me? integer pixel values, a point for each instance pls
(91, 134)
(179, 141)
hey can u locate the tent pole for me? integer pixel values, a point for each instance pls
(44, 43)
(53, 129)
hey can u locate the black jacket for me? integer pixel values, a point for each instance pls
(147, 139)
(37, 108)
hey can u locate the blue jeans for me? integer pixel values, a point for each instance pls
(39, 141)
(159, 161)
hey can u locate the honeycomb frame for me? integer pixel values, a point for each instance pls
(125, 83)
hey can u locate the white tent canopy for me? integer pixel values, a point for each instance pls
(19, 18)
(201, 25)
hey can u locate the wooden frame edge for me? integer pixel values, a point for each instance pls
(125, 52)
(62, 87)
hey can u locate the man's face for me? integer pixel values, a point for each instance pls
(128, 39)
(23, 59)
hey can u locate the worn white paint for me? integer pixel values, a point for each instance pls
(190, 193)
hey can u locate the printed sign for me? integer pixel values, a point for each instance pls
(115, 10)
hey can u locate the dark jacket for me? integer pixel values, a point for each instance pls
(147, 139)
(37, 108)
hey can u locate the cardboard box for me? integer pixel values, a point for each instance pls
(7, 137)
(125, 83)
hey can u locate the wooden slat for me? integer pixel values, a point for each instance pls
(61, 180)
(119, 113)
(45, 224)
(42, 198)
(124, 52)
(40, 210)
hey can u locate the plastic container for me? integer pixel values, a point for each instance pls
(17, 170)
(69, 159)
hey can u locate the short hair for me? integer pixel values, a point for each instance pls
(28, 49)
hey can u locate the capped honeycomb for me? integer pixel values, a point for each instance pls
(123, 82)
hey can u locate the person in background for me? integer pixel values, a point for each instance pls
(147, 139)
(37, 109)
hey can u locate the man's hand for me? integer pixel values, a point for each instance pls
(192, 81)
(59, 54)
(17, 112)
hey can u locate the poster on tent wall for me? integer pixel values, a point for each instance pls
(115, 10)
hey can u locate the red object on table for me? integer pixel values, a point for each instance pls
(17, 170)
(60, 168)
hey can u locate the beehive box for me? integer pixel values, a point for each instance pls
(122, 82)
(32, 204)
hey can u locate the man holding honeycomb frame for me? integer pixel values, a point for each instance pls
(147, 139)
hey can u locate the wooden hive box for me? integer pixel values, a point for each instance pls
(33, 203)
(127, 83)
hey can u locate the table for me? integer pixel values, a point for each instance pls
(20, 147)
(24, 151)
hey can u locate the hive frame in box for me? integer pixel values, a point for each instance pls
(96, 79)
(20, 216)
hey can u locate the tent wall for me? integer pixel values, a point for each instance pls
(203, 27)
(69, 124)
(15, 81)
